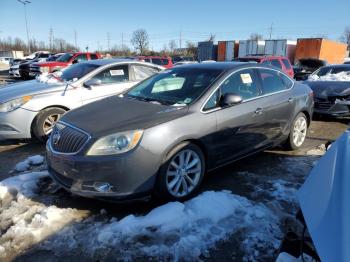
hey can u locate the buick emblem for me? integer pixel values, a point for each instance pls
(56, 136)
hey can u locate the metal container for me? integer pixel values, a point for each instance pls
(281, 47)
(331, 51)
(226, 50)
(251, 47)
(207, 51)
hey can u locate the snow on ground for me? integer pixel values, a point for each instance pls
(30, 161)
(49, 78)
(342, 76)
(174, 231)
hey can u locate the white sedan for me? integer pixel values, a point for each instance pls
(32, 108)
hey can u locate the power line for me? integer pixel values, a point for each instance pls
(25, 2)
(75, 39)
(270, 29)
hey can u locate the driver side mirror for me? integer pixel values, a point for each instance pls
(230, 99)
(92, 82)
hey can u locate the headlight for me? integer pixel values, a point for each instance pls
(14, 104)
(116, 143)
(44, 69)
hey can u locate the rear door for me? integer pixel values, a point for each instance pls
(240, 128)
(114, 80)
(278, 102)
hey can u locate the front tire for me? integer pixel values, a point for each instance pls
(298, 132)
(45, 121)
(182, 173)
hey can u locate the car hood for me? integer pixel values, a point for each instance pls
(51, 64)
(327, 214)
(323, 89)
(26, 88)
(115, 114)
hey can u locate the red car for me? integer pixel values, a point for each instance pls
(164, 61)
(281, 62)
(62, 62)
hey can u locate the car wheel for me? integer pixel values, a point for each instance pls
(45, 121)
(298, 132)
(182, 173)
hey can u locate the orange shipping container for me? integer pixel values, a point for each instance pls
(221, 50)
(330, 51)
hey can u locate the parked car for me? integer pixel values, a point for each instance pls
(16, 71)
(305, 67)
(185, 63)
(30, 109)
(164, 61)
(177, 59)
(331, 86)
(62, 62)
(173, 127)
(279, 62)
(5, 60)
(24, 67)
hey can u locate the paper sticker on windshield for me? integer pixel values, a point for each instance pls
(246, 79)
(117, 72)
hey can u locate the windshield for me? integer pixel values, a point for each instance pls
(331, 70)
(77, 71)
(65, 58)
(175, 86)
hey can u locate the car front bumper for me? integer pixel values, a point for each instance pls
(338, 108)
(14, 72)
(131, 175)
(16, 124)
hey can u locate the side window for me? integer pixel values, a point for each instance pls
(113, 75)
(288, 83)
(243, 83)
(143, 72)
(157, 61)
(93, 56)
(266, 62)
(286, 63)
(276, 63)
(81, 57)
(212, 102)
(165, 61)
(272, 81)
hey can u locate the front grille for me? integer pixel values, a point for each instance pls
(66, 139)
(323, 104)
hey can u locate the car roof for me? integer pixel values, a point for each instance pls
(224, 66)
(347, 66)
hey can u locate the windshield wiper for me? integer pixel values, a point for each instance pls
(150, 99)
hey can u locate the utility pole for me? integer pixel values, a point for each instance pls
(271, 29)
(25, 2)
(108, 40)
(122, 40)
(75, 40)
(50, 38)
(180, 40)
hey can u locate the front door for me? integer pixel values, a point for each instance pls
(113, 80)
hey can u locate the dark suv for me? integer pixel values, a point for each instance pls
(281, 62)
(164, 61)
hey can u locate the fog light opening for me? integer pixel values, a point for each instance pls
(103, 187)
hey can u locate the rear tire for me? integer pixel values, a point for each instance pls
(298, 132)
(45, 121)
(181, 173)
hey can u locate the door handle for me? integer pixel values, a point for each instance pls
(291, 99)
(259, 111)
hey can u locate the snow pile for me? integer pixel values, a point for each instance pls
(48, 78)
(342, 76)
(30, 161)
(176, 231)
(25, 222)
(318, 151)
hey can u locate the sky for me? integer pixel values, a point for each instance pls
(189, 20)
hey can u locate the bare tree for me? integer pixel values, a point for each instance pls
(191, 49)
(172, 46)
(140, 40)
(346, 37)
(256, 36)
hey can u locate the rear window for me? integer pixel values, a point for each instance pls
(143, 72)
(286, 63)
(276, 63)
(65, 58)
(93, 56)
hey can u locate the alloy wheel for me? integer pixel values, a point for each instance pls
(299, 131)
(50, 122)
(184, 172)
